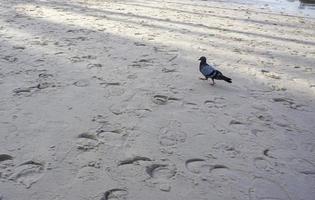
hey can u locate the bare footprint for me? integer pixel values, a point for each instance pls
(267, 189)
(115, 137)
(6, 165)
(163, 100)
(262, 164)
(114, 91)
(81, 83)
(166, 70)
(28, 173)
(216, 102)
(10, 59)
(87, 141)
(172, 138)
(96, 65)
(22, 90)
(160, 99)
(173, 58)
(161, 171)
(270, 74)
(302, 166)
(117, 194)
(4, 157)
(132, 160)
(197, 166)
(288, 102)
(139, 44)
(201, 166)
(45, 75)
(75, 59)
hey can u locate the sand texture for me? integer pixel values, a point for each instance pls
(100, 100)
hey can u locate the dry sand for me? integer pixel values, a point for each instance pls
(101, 100)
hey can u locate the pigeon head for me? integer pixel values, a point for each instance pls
(203, 59)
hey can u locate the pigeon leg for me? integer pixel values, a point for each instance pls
(213, 83)
(201, 78)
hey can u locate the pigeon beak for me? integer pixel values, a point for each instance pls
(199, 59)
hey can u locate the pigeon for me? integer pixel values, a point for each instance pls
(210, 72)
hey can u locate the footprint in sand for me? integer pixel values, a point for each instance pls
(115, 194)
(18, 47)
(45, 76)
(95, 65)
(119, 109)
(87, 141)
(28, 91)
(132, 168)
(223, 178)
(114, 91)
(111, 83)
(166, 70)
(201, 166)
(162, 175)
(264, 117)
(112, 138)
(172, 138)
(163, 100)
(4, 157)
(235, 122)
(10, 59)
(173, 58)
(129, 169)
(43, 84)
(142, 63)
(216, 102)
(262, 164)
(75, 59)
(139, 44)
(28, 173)
(220, 177)
(111, 134)
(267, 189)
(6, 165)
(288, 102)
(132, 160)
(277, 87)
(90, 57)
(197, 166)
(20, 91)
(160, 99)
(107, 134)
(227, 149)
(100, 119)
(308, 146)
(81, 83)
(192, 106)
(302, 166)
(88, 172)
(161, 171)
(270, 74)
(132, 76)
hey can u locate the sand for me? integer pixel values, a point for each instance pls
(101, 100)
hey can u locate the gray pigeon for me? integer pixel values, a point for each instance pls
(210, 72)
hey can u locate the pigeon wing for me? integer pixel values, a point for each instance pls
(206, 70)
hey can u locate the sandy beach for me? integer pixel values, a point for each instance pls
(101, 100)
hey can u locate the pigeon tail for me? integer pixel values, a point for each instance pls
(227, 79)
(220, 76)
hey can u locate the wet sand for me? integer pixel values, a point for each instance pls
(101, 100)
